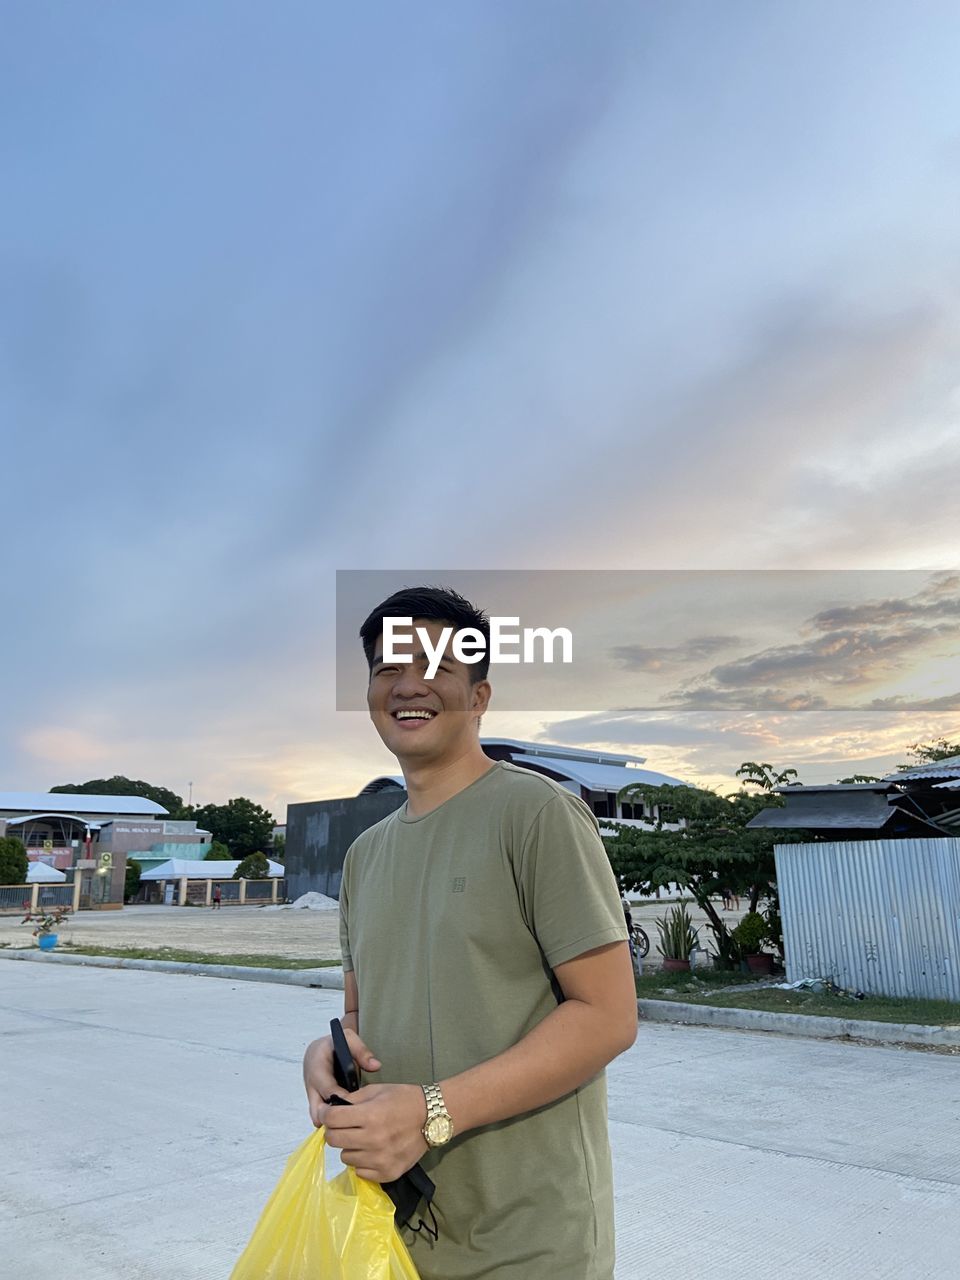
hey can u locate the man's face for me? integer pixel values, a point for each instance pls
(419, 719)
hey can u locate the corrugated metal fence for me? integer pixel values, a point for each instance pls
(879, 916)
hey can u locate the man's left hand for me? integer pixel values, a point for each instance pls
(380, 1132)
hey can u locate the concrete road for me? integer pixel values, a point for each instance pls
(147, 1116)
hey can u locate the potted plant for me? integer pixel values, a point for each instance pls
(678, 938)
(45, 924)
(750, 935)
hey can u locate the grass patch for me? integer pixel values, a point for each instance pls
(657, 985)
(703, 989)
(196, 957)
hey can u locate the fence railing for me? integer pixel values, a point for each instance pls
(15, 897)
(198, 893)
(55, 895)
(32, 897)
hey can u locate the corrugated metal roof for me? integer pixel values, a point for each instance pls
(562, 753)
(595, 770)
(949, 768)
(817, 807)
(952, 785)
(385, 782)
(70, 802)
(40, 873)
(212, 869)
(599, 777)
(38, 817)
(885, 787)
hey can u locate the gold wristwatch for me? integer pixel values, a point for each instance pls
(438, 1128)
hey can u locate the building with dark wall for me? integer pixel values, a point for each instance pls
(320, 832)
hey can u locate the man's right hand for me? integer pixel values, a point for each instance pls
(318, 1078)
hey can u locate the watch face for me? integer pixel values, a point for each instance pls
(438, 1130)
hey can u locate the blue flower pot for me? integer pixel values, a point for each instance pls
(47, 941)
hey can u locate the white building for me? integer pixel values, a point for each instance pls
(597, 777)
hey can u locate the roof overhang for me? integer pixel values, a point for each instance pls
(60, 817)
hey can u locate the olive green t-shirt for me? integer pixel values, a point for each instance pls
(453, 923)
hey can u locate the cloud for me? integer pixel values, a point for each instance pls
(626, 727)
(763, 700)
(949, 702)
(939, 600)
(842, 657)
(847, 648)
(637, 657)
(63, 747)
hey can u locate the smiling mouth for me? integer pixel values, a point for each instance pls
(420, 716)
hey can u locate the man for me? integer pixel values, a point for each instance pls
(486, 968)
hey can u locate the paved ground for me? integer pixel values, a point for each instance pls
(148, 1116)
(236, 930)
(231, 930)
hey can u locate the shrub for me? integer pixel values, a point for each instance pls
(131, 880)
(253, 867)
(13, 861)
(750, 934)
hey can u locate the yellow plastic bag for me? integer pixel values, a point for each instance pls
(312, 1229)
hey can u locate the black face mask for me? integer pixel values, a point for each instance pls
(411, 1187)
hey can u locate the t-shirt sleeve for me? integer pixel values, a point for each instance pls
(345, 953)
(569, 894)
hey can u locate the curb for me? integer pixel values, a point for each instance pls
(798, 1024)
(331, 977)
(697, 1015)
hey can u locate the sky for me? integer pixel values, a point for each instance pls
(612, 286)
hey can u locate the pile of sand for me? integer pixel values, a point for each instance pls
(312, 902)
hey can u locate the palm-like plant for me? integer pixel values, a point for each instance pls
(678, 937)
(763, 775)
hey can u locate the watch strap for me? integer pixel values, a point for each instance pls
(436, 1109)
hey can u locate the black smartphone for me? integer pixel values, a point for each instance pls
(344, 1068)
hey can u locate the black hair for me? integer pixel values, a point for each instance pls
(432, 604)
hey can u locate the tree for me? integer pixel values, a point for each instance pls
(131, 880)
(253, 867)
(240, 824)
(278, 849)
(712, 851)
(764, 776)
(121, 786)
(857, 777)
(930, 752)
(13, 860)
(218, 853)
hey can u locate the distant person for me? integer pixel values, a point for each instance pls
(627, 913)
(216, 898)
(727, 897)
